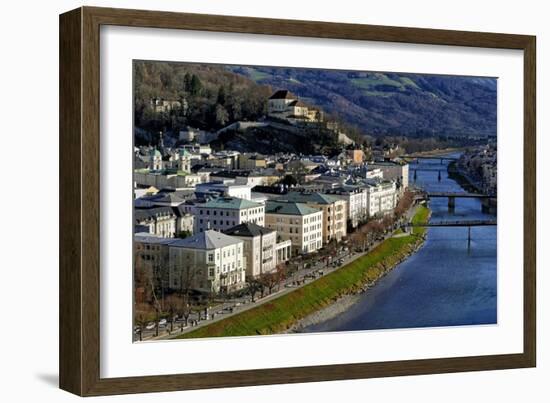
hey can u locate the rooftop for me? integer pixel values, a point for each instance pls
(150, 213)
(288, 208)
(317, 198)
(282, 94)
(231, 203)
(297, 103)
(206, 240)
(225, 183)
(248, 230)
(167, 198)
(145, 237)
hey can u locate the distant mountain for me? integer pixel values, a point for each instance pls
(391, 103)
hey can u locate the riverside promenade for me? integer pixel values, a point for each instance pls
(226, 310)
(278, 312)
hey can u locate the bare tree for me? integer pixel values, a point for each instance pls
(184, 310)
(280, 273)
(187, 276)
(254, 286)
(269, 280)
(387, 222)
(172, 303)
(142, 315)
(146, 277)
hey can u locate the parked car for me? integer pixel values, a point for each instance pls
(150, 326)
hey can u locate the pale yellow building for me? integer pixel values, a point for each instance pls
(295, 222)
(251, 161)
(334, 212)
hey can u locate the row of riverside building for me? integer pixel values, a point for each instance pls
(210, 221)
(231, 239)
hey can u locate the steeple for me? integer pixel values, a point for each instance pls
(161, 141)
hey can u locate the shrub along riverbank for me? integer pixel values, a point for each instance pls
(280, 314)
(459, 178)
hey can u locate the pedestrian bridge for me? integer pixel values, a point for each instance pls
(416, 157)
(448, 223)
(460, 195)
(454, 223)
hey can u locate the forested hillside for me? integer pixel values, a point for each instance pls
(210, 96)
(391, 103)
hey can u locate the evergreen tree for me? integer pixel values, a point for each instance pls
(195, 85)
(221, 95)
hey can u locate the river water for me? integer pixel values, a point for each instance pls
(446, 283)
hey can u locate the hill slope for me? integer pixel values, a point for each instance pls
(209, 96)
(391, 103)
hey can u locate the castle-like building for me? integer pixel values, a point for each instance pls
(285, 105)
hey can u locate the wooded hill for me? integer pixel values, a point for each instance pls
(392, 103)
(210, 96)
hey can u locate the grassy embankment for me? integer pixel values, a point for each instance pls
(281, 313)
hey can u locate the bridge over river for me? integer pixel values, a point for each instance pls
(417, 157)
(446, 282)
(454, 223)
(461, 223)
(488, 201)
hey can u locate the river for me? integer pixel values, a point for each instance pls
(446, 283)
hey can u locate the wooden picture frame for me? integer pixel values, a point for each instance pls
(79, 346)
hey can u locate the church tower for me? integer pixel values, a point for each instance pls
(161, 142)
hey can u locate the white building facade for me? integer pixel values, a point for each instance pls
(382, 198)
(209, 262)
(356, 199)
(226, 187)
(259, 248)
(392, 170)
(223, 213)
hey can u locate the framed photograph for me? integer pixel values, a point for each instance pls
(249, 201)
